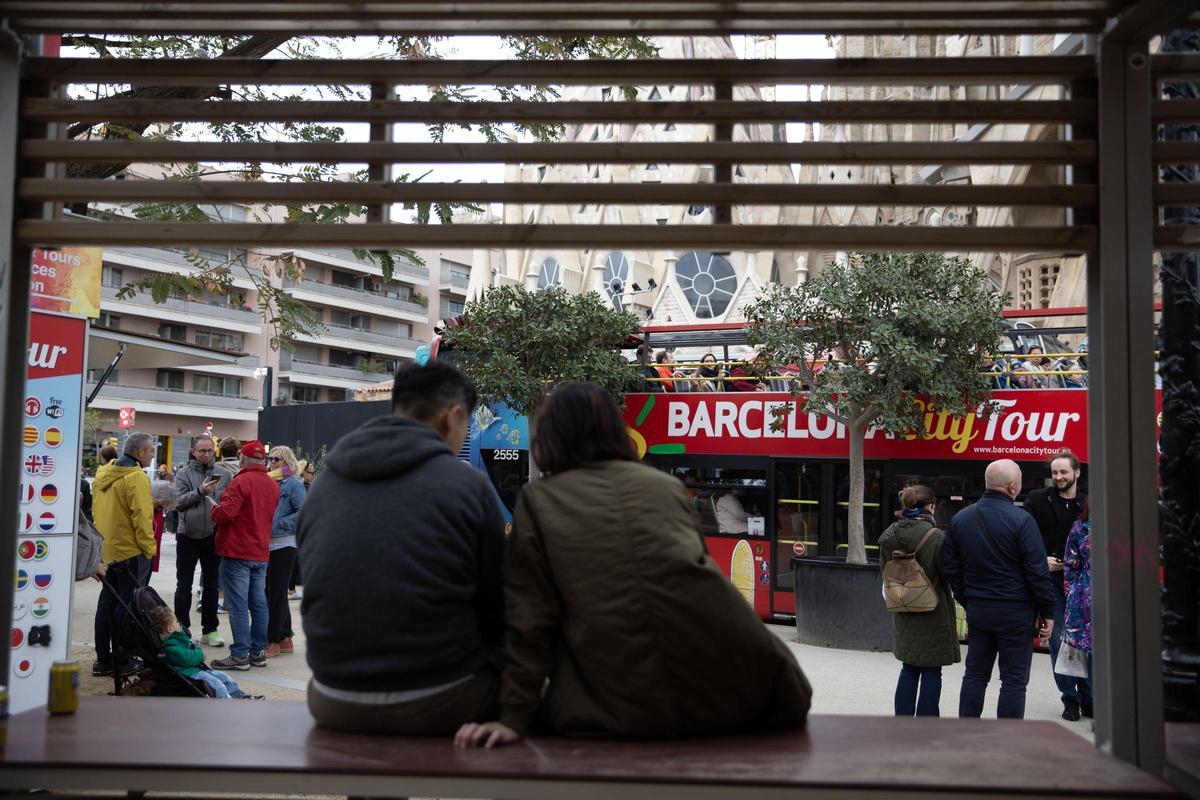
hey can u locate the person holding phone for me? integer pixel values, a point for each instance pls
(203, 479)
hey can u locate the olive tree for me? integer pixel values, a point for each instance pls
(516, 344)
(878, 341)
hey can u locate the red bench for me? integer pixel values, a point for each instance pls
(150, 744)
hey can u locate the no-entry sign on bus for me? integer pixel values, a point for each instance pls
(1026, 425)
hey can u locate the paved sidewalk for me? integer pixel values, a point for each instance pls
(844, 681)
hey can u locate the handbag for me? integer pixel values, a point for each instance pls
(1071, 662)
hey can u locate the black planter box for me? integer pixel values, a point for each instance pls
(840, 605)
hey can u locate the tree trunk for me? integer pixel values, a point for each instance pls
(856, 552)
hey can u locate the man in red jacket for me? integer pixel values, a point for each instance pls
(243, 541)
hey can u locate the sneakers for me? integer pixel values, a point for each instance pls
(272, 650)
(286, 646)
(232, 662)
(295, 594)
(212, 639)
(221, 608)
(102, 669)
(258, 659)
(1070, 711)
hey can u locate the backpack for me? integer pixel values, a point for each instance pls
(906, 587)
(89, 546)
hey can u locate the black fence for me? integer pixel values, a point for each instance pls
(312, 428)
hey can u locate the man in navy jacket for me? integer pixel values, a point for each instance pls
(995, 562)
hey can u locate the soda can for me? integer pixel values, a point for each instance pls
(64, 687)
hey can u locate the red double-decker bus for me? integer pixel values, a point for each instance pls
(764, 495)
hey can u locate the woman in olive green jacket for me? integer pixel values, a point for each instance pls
(611, 597)
(926, 641)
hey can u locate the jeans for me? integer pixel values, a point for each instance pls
(999, 630)
(222, 685)
(113, 625)
(189, 553)
(908, 702)
(245, 585)
(279, 614)
(1078, 690)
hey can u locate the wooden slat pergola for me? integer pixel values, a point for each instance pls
(1104, 112)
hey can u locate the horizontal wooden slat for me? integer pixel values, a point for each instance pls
(128, 152)
(222, 9)
(1176, 152)
(526, 25)
(1174, 110)
(204, 71)
(1177, 237)
(1179, 194)
(36, 189)
(1175, 66)
(716, 111)
(382, 235)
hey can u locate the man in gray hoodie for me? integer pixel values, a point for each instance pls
(402, 546)
(194, 542)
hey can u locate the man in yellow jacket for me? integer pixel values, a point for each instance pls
(124, 516)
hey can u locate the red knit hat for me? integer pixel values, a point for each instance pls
(254, 449)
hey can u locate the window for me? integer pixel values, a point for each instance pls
(616, 275)
(231, 342)
(218, 385)
(94, 376)
(339, 395)
(606, 93)
(708, 282)
(542, 172)
(345, 319)
(169, 379)
(655, 94)
(347, 279)
(112, 277)
(108, 320)
(454, 308)
(669, 127)
(344, 358)
(176, 333)
(549, 274)
(306, 394)
(696, 211)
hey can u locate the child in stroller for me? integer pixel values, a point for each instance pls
(187, 659)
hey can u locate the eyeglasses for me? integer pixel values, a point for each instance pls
(274, 458)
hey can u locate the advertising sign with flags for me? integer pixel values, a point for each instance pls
(50, 468)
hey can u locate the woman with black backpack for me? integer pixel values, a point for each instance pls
(926, 641)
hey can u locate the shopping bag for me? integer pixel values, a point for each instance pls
(1071, 661)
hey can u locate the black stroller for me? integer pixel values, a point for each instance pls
(158, 677)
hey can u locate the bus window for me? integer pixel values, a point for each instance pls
(873, 507)
(725, 499)
(797, 516)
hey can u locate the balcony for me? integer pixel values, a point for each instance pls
(310, 373)
(454, 282)
(184, 311)
(155, 400)
(159, 259)
(362, 300)
(360, 341)
(344, 257)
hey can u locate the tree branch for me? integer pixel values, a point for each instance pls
(252, 47)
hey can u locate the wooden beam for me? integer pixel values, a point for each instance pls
(557, 193)
(712, 112)
(752, 237)
(1177, 237)
(631, 25)
(203, 71)
(1174, 110)
(1177, 194)
(1176, 152)
(1142, 20)
(128, 152)
(1175, 66)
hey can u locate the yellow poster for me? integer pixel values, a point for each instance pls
(741, 570)
(66, 280)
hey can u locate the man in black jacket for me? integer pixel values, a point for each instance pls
(1055, 509)
(994, 560)
(402, 545)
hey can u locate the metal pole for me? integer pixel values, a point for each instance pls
(1179, 502)
(1125, 599)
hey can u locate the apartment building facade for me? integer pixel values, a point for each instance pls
(369, 326)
